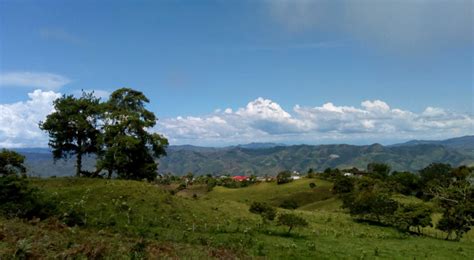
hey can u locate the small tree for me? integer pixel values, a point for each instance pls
(11, 163)
(73, 127)
(291, 221)
(457, 202)
(284, 177)
(415, 215)
(266, 211)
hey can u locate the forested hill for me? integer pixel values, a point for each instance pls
(262, 161)
(271, 158)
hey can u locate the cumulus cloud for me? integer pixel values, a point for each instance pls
(49, 81)
(19, 121)
(261, 120)
(265, 120)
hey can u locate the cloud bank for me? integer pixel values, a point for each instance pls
(265, 120)
(261, 120)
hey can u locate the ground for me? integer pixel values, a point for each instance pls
(131, 219)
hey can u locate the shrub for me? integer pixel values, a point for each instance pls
(11, 163)
(289, 204)
(266, 211)
(18, 199)
(312, 185)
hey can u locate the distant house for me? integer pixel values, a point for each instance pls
(240, 178)
(295, 175)
(348, 174)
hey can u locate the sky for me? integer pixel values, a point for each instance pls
(224, 72)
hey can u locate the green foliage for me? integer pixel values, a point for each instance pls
(130, 151)
(378, 170)
(343, 184)
(11, 163)
(312, 185)
(370, 200)
(413, 215)
(436, 174)
(289, 204)
(405, 182)
(284, 177)
(19, 199)
(74, 127)
(291, 220)
(457, 203)
(266, 211)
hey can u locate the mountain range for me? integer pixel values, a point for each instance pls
(270, 158)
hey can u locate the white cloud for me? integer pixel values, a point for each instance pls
(261, 120)
(19, 121)
(265, 120)
(41, 80)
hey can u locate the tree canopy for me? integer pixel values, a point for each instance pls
(74, 127)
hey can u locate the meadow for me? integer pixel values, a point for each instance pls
(120, 219)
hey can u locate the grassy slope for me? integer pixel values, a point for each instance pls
(121, 213)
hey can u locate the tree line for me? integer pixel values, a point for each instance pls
(117, 132)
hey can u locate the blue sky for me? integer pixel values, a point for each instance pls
(192, 58)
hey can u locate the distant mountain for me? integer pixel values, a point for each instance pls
(270, 158)
(464, 142)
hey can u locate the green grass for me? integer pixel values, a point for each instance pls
(126, 218)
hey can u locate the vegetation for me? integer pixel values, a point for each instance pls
(74, 127)
(115, 131)
(291, 221)
(11, 163)
(284, 177)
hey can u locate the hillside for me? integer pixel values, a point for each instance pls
(463, 142)
(130, 219)
(269, 159)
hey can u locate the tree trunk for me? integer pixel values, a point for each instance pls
(79, 164)
(110, 174)
(289, 229)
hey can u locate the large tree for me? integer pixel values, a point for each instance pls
(130, 150)
(73, 127)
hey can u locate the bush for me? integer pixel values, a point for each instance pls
(11, 163)
(289, 204)
(312, 185)
(263, 209)
(18, 199)
(291, 221)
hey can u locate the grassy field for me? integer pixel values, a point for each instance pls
(130, 219)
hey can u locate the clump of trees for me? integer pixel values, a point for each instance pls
(116, 131)
(369, 196)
